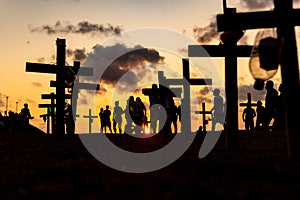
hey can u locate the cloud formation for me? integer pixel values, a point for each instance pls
(112, 63)
(77, 54)
(256, 4)
(206, 34)
(83, 27)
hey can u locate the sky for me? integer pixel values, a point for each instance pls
(95, 28)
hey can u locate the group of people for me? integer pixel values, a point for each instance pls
(136, 117)
(268, 117)
(272, 111)
(12, 120)
(135, 112)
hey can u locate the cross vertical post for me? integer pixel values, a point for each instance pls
(60, 89)
(290, 76)
(284, 18)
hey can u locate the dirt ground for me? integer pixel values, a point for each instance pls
(38, 166)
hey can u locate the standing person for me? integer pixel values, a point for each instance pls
(248, 117)
(70, 123)
(260, 116)
(155, 106)
(106, 117)
(117, 117)
(271, 102)
(179, 112)
(218, 109)
(129, 114)
(25, 115)
(101, 116)
(139, 115)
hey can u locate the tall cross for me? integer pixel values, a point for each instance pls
(63, 73)
(231, 51)
(185, 104)
(90, 117)
(203, 112)
(284, 18)
(51, 106)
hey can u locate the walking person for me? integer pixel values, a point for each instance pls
(218, 109)
(117, 117)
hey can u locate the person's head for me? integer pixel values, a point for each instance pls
(138, 99)
(25, 105)
(107, 107)
(154, 86)
(259, 103)
(101, 109)
(216, 91)
(269, 84)
(117, 103)
(131, 98)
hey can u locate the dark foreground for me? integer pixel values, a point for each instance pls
(37, 166)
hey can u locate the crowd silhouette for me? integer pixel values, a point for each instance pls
(164, 115)
(269, 117)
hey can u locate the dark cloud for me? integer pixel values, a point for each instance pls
(113, 63)
(82, 27)
(256, 4)
(206, 34)
(36, 84)
(255, 94)
(77, 54)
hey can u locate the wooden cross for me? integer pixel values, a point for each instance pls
(51, 106)
(231, 52)
(63, 73)
(185, 104)
(90, 117)
(248, 103)
(203, 112)
(284, 18)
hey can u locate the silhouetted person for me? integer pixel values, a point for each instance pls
(218, 109)
(70, 123)
(271, 102)
(279, 123)
(200, 130)
(139, 115)
(260, 116)
(172, 115)
(106, 119)
(25, 116)
(114, 125)
(154, 99)
(179, 113)
(128, 114)
(117, 117)
(248, 117)
(101, 116)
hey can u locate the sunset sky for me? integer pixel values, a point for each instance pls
(30, 28)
